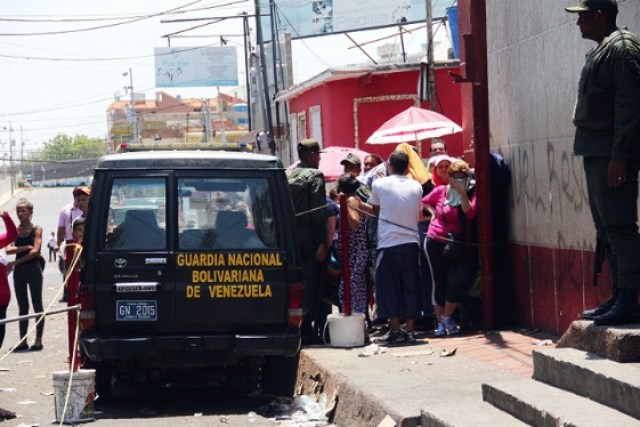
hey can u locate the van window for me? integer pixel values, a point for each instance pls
(223, 213)
(137, 217)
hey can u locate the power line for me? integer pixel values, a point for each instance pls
(98, 18)
(98, 27)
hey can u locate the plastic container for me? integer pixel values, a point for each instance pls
(346, 331)
(81, 397)
(452, 20)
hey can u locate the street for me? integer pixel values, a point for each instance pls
(26, 384)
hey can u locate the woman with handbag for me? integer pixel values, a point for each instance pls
(27, 272)
(452, 260)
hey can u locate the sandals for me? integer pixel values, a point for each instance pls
(22, 347)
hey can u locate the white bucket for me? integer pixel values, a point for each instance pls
(82, 394)
(346, 331)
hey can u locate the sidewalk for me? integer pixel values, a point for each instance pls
(441, 376)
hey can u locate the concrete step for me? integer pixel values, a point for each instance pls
(412, 385)
(613, 384)
(468, 413)
(541, 405)
(618, 343)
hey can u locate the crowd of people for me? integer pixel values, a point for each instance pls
(405, 218)
(25, 243)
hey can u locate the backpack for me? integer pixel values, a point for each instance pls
(299, 180)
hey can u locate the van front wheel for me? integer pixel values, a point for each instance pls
(279, 374)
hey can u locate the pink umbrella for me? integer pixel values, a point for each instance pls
(330, 159)
(413, 124)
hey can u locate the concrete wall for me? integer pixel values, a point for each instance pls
(535, 54)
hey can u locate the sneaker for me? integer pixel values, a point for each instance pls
(440, 331)
(450, 326)
(392, 337)
(410, 337)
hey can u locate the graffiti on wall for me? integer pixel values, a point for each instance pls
(549, 190)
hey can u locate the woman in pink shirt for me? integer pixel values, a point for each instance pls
(453, 208)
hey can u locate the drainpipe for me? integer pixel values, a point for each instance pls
(475, 107)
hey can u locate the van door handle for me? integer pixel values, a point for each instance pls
(156, 261)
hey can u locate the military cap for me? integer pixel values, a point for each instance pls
(351, 159)
(310, 144)
(589, 5)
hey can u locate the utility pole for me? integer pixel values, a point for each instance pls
(431, 90)
(12, 176)
(133, 104)
(223, 137)
(245, 31)
(265, 81)
(274, 50)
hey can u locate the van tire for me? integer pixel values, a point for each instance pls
(104, 381)
(279, 374)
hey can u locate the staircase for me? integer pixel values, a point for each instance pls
(583, 382)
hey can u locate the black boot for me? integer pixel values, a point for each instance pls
(591, 313)
(624, 310)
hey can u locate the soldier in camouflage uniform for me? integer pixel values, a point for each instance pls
(307, 187)
(607, 120)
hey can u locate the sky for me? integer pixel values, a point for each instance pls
(64, 62)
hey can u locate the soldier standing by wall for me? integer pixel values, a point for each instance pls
(607, 120)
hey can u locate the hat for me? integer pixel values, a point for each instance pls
(81, 189)
(351, 159)
(310, 145)
(587, 5)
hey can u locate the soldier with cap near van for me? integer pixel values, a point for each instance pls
(67, 215)
(308, 193)
(607, 120)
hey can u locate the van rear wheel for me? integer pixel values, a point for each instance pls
(279, 374)
(104, 380)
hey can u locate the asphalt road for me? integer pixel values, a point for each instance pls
(26, 379)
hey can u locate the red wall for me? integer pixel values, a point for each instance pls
(336, 100)
(552, 286)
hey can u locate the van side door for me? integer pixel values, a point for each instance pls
(135, 267)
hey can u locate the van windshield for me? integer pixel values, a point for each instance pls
(137, 217)
(212, 213)
(225, 213)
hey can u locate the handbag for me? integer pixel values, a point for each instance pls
(334, 267)
(454, 248)
(456, 245)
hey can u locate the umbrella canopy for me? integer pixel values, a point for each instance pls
(330, 159)
(413, 124)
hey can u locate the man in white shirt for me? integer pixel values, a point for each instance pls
(397, 201)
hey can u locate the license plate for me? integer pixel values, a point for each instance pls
(132, 311)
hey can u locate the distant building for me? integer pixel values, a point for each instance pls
(173, 120)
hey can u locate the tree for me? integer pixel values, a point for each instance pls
(64, 147)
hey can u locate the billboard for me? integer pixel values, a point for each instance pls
(196, 66)
(311, 18)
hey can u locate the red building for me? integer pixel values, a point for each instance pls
(344, 106)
